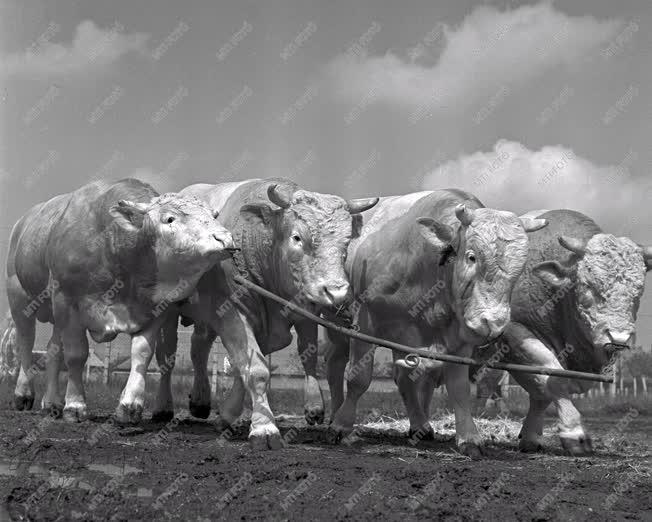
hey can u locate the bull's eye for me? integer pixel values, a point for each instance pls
(470, 257)
(296, 238)
(586, 299)
(170, 219)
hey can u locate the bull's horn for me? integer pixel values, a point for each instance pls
(573, 244)
(647, 256)
(533, 224)
(279, 196)
(356, 206)
(135, 205)
(464, 214)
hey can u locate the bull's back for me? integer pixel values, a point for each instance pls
(29, 241)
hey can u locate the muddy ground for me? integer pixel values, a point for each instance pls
(52, 470)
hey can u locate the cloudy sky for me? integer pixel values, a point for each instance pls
(528, 105)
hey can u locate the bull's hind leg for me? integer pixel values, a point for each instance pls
(543, 389)
(361, 366)
(23, 312)
(54, 357)
(245, 355)
(199, 402)
(24, 391)
(166, 350)
(411, 384)
(313, 408)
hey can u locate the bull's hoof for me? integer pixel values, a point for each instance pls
(76, 413)
(577, 447)
(23, 403)
(198, 410)
(424, 433)
(314, 415)
(265, 438)
(470, 449)
(222, 425)
(54, 410)
(162, 416)
(529, 446)
(129, 413)
(337, 435)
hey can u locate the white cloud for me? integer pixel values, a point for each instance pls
(513, 177)
(91, 47)
(489, 51)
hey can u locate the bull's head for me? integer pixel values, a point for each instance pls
(183, 232)
(605, 277)
(309, 233)
(489, 251)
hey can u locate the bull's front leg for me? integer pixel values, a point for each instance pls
(525, 348)
(201, 342)
(313, 408)
(336, 358)
(456, 377)
(246, 356)
(132, 400)
(54, 357)
(166, 350)
(75, 353)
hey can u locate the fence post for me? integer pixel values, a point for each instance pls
(214, 374)
(644, 383)
(635, 387)
(613, 384)
(107, 364)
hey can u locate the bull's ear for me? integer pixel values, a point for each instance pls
(552, 273)
(533, 224)
(256, 214)
(129, 214)
(437, 234)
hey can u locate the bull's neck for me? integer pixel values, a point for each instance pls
(133, 260)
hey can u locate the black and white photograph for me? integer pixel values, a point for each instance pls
(325, 260)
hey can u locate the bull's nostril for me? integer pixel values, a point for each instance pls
(621, 337)
(336, 293)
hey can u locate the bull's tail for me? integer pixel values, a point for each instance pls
(9, 358)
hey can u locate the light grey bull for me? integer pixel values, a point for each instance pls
(104, 259)
(428, 268)
(293, 242)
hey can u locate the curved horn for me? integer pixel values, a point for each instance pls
(533, 224)
(135, 205)
(358, 205)
(464, 214)
(573, 244)
(278, 196)
(647, 256)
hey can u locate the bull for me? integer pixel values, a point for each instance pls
(104, 259)
(430, 268)
(574, 307)
(294, 247)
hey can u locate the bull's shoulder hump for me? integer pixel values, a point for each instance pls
(534, 213)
